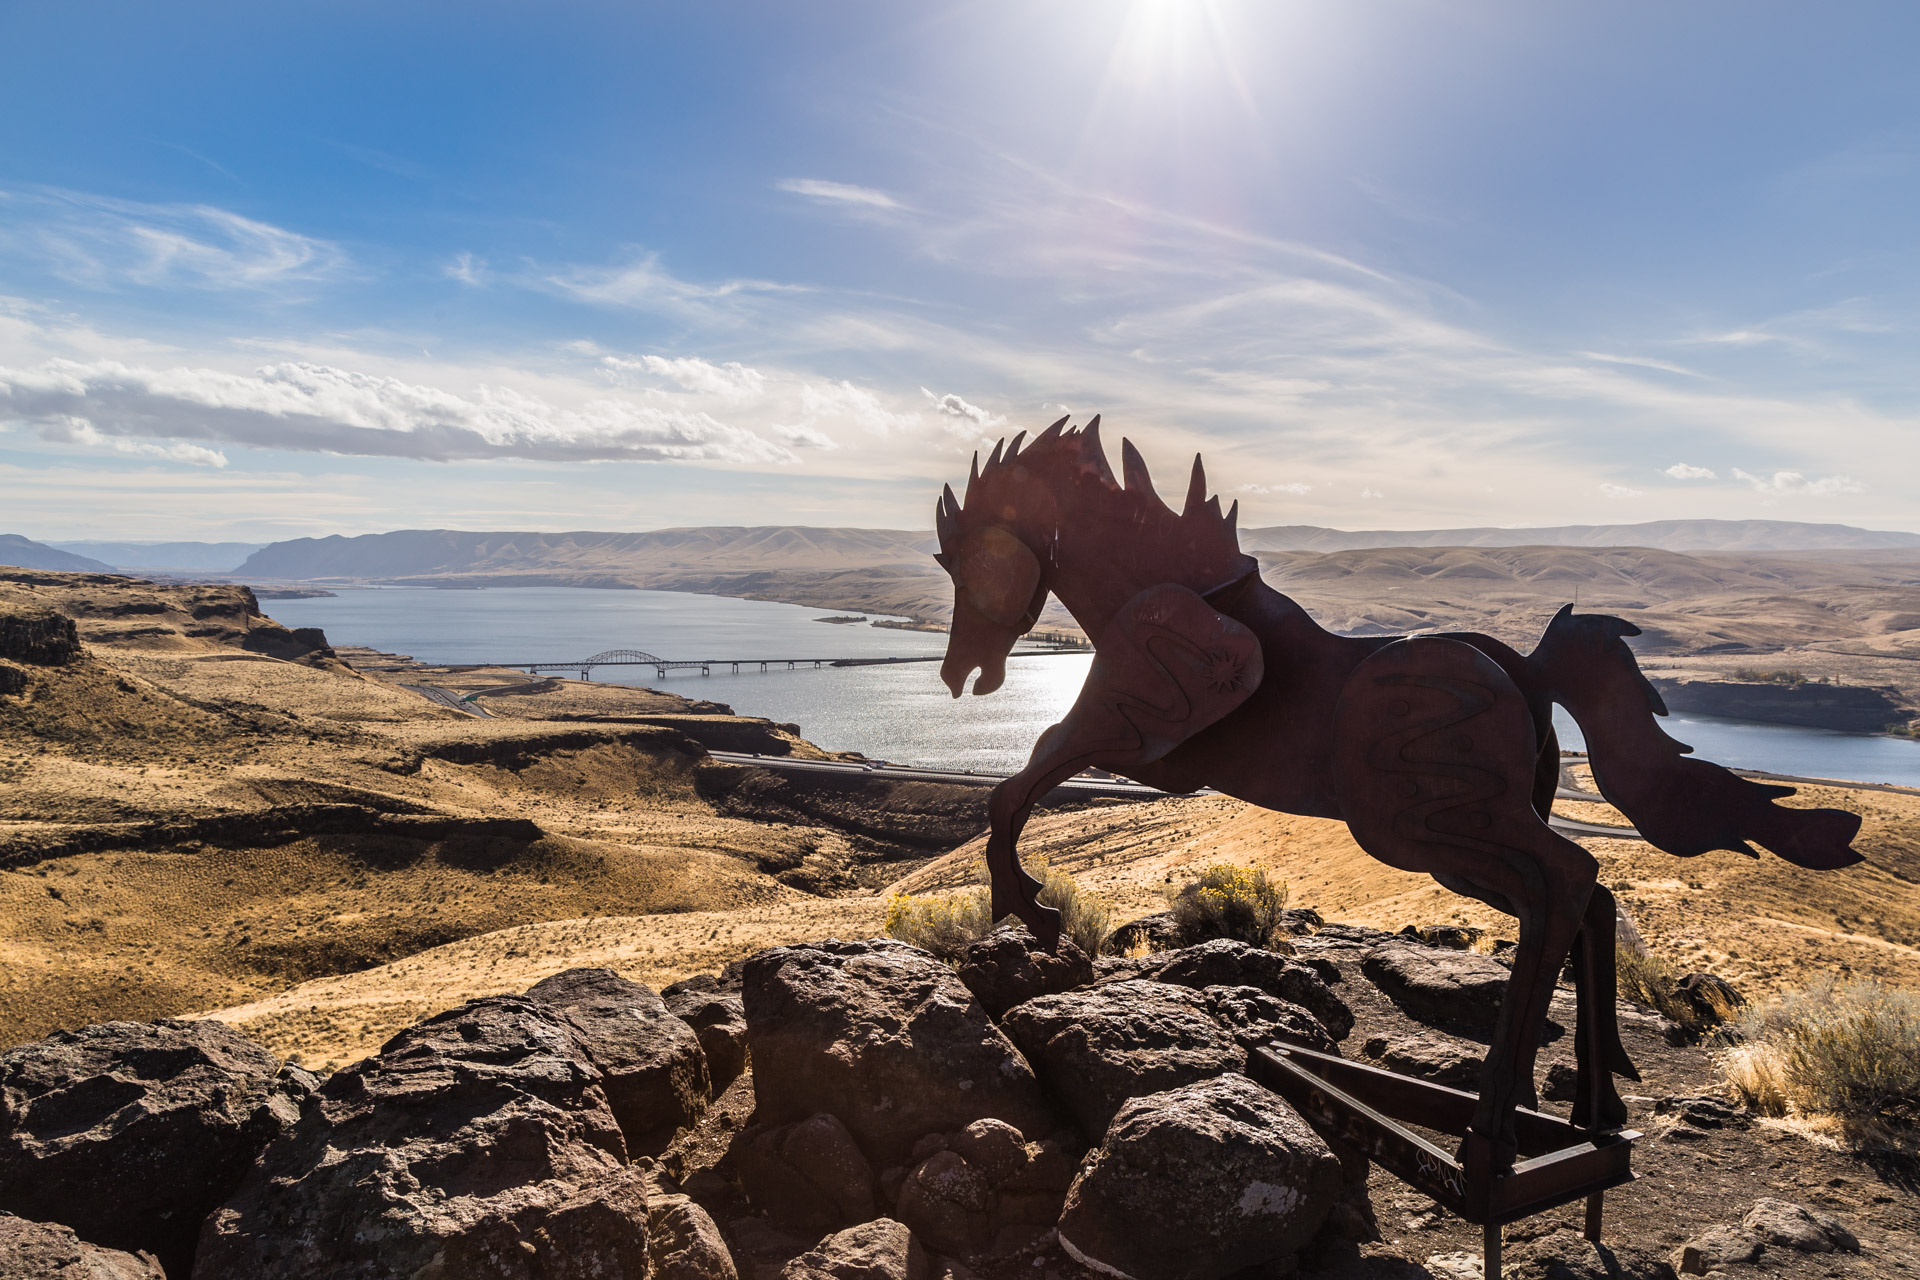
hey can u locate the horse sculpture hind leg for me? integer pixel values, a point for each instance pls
(1434, 762)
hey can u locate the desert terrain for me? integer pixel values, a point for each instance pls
(205, 812)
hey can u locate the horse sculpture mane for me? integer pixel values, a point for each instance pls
(1005, 488)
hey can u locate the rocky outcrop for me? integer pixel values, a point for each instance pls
(809, 1175)
(1157, 932)
(44, 637)
(471, 1142)
(719, 1021)
(1435, 1057)
(1199, 1182)
(1225, 963)
(879, 1250)
(986, 1190)
(132, 1132)
(885, 1037)
(652, 1067)
(1008, 967)
(1099, 1046)
(1849, 708)
(683, 1243)
(1434, 984)
(1255, 1018)
(48, 1251)
(1716, 1248)
(1795, 1226)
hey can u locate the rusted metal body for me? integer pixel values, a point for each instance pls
(1438, 751)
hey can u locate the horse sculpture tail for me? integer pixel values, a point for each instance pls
(1683, 806)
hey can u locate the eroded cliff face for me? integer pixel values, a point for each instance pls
(1850, 708)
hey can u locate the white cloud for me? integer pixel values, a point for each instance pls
(848, 404)
(732, 382)
(322, 409)
(1296, 487)
(841, 193)
(1619, 491)
(69, 430)
(1796, 484)
(1643, 362)
(467, 269)
(1371, 493)
(643, 284)
(963, 419)
(102, 243)
(804, 437)
(1681, 471)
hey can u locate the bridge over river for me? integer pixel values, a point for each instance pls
(705, 666)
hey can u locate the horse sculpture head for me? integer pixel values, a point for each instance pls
(999, 583)
(1054, 517)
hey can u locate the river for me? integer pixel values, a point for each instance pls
(898, 713)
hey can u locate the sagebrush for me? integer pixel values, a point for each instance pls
(1242, 903)
(1848, 1053)
(945, 924)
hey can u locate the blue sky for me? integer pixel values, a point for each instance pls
(278, 270)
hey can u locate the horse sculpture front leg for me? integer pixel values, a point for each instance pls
(1015, 892)
(1168, 666)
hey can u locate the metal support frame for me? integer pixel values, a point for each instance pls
(1369, 1109)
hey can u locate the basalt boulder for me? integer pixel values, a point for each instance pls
(1795, 1226)
(719, 1021)
(1198, 1182)
(132, 1132)
(1255, 1018)
(809, 1175)
(652, 1066)
(1099, 1046)
(48, 1251)
(1223, 962)
(683, 1243)
(1433, 984)
(885, 1037)
(1157, 932)
(879, 1250)
(1008, 967)
(470, 1145)
(1433, 1056)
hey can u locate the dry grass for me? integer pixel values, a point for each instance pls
(1848, 1053)
(946, 924)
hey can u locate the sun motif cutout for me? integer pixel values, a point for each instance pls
(1225, 673)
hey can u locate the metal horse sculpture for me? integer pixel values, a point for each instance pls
(1438, 751)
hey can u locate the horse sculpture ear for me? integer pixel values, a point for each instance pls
(999, 575)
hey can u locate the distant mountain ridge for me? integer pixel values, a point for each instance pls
(1663, 535)
(25, 553)
(412, 553)
(165, 557)
(434, 553)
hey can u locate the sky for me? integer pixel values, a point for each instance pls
(273, 271)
